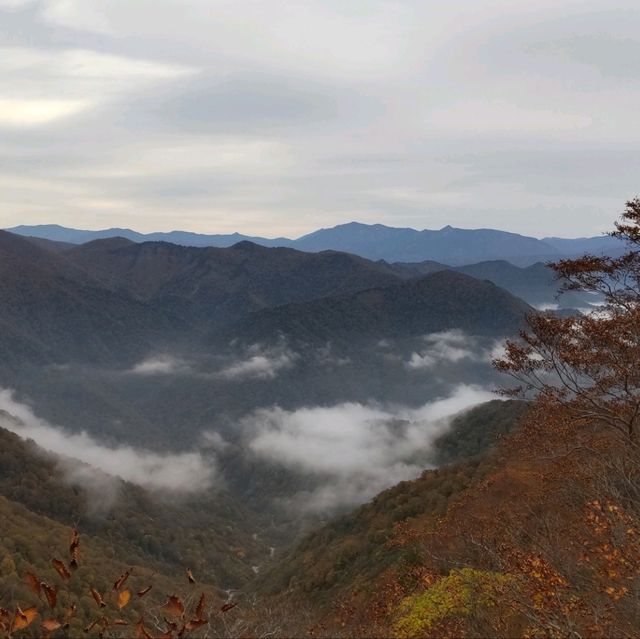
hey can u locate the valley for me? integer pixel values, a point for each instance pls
(279, 420)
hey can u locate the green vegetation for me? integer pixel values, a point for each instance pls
(160, 531)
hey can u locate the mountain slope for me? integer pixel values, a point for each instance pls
(536, 284)
(51, 310)
(448, 245)
(352, 550)
(219, 284)
(437, 302)
(166, 532)
(602, 244)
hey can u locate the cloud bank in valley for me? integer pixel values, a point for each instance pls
(259, 363)
(160, 365)
(183, 472)
(354, 450)
(450, 347)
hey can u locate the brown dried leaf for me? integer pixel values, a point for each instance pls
(227, 607)
(144, 591)
(170, 624)
(70, 611)
(194, 624)
(51, 625)
(75, 541)
(141, 631)
(190, 577)
(51, 594)
(120, 581)
(61, 569)
(174, 606)
(33, 582)
(73, 563)
(200, 607)
(92, 625)
(98, 598)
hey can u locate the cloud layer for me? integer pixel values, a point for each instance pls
(412, 113)
(184, 472)
(354, 450)
(450, 347)
(259, 363)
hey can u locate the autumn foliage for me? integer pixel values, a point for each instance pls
(179, 616)
(547, 543)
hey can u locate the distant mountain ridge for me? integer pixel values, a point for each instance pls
(407, 309)
(450, 246)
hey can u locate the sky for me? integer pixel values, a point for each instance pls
(276, 117)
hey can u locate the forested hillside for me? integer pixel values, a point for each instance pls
(541, 537)
(161, 531)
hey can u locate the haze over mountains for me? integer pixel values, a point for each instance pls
(158, 335)
(448, 245)
(153, 341)
(254, 392)
(295, 383)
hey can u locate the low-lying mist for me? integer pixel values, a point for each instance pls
(354, 450)
(342, 422)
(184, 472)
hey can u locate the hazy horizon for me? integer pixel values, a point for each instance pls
(291, 237)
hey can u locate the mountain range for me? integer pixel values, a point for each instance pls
(208, 406)
(153, 341)
(451, 246)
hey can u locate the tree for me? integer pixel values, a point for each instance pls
(589, 364)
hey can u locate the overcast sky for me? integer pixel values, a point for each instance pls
(277, 117)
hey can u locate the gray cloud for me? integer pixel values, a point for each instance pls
(184, 472)
(354, 450)
(521, 116)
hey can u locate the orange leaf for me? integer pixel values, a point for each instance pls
(190, 576)
(51, 625)
(124, 598)
(24, 618)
